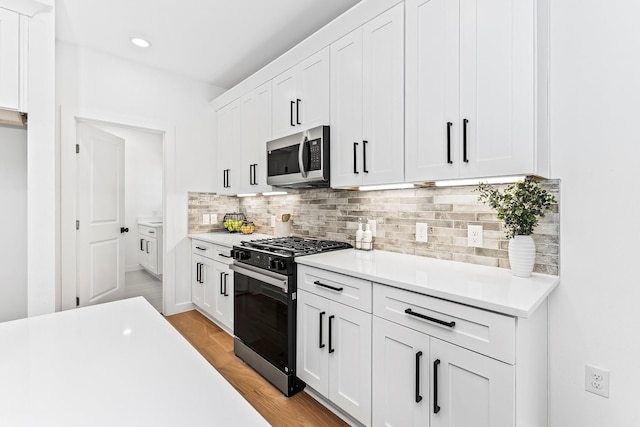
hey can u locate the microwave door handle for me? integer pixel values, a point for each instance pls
(301, 155)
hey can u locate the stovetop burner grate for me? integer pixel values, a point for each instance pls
(296, 245)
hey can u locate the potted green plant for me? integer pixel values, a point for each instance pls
(520, 206)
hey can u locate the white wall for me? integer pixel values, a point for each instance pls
(13, 217)
(96, 86)
(595, 136)
(142, 182)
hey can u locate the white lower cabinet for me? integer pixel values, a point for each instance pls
(150, 245)
(212, 282)
(334, 353)
(419, 380)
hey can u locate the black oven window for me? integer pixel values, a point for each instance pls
(261, 319)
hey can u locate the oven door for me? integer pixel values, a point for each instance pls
(264, 314)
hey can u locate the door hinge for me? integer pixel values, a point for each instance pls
(77, 301)
(77, 224)
(77, 148)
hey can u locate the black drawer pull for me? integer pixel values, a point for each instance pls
(430, 319)
(333, 288)
(201, 249)
(225, 256)
(418, 397)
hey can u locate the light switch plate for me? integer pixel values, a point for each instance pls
(372, 226)
(214, 218)
(205, 219)
(421, 232)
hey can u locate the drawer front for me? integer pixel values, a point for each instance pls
(222, 254)
(147, 231)
(336, 287)
(202, 248)
(479, 330)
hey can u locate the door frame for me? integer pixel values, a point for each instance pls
(66, 287)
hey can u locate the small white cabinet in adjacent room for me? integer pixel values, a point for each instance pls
(476, 78)
(301, 96)
(212, 282)
(334, 339)
(150, 248)
(367, 103)
(13, 45)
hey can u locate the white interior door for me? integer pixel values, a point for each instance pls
(100, 210)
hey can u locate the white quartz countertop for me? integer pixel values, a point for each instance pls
(151, 223)
(490, 288)
(228, 239)
(114, 364)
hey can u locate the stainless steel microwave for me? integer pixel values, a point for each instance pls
(299, 160)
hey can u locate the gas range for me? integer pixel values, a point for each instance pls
(278, 253)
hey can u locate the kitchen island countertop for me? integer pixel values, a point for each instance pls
(113, 364)
(490, 288)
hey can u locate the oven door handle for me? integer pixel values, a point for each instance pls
(278, 282)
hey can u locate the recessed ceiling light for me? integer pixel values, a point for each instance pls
(140, 42)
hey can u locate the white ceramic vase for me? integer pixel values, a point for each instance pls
(522, 255)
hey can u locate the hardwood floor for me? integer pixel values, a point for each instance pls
(217, 347)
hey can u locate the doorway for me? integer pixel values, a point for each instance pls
(142, 200)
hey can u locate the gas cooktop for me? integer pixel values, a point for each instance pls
(295, 246)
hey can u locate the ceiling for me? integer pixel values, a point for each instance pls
(220, 42)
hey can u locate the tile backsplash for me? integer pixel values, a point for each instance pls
(333, 214)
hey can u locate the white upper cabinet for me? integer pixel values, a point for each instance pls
(475, 75)
(256, 131)
(229, 151)
(301, 96)
(11, 72)
(367, 100)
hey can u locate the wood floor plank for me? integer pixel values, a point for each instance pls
(216, 346)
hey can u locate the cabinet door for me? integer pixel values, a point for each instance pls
(349, 351)
(346, 110)
(383, 98)
(208, 278)
(223, 294)
(313, 91)
(229, 153)
(312, 341)
(9, 59)
(197, 284)
(152, 255)
(400, 375)
(432, 119)
(285, 94)
(497, 86)
(256, 131)
(470, 389)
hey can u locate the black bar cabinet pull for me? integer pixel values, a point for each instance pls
(147, 243)
(355, 157)
(221, 280)
(298, 101)
(320, 343)
(449, 124)
(430, 319)
(198, 272)
(142, 244)
(331, 349)
(225, 284)
(255, 174)
(333, 288)
(364, 156)
(418, 397)
(436, 407)
(291, 113)
(250, 174)
(464, 140)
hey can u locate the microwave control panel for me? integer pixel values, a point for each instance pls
(315, 155)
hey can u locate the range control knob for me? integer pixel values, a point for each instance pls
(240, 255)
(277, 264)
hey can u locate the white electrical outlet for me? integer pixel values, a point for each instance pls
(421, 231)
(205, 219)
(214, 218)
(474, 236)
(372, 226)
(596, 380)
